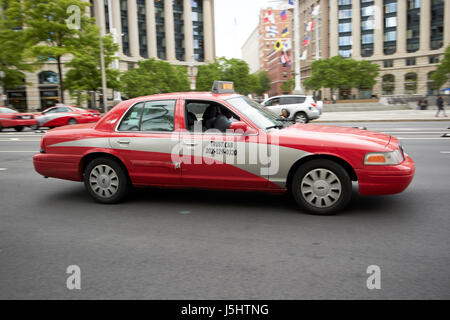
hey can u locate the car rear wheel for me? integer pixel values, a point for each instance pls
(18, 129)
(72, 121)
(106, 181)
(321, 187)
(35, 127)
(301, 117)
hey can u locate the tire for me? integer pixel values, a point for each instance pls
(72, 121)
(301, 117)
(1, 127)
(325, 180)
(18, 129)
(106, 181)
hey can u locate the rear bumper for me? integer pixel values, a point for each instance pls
(57, 166)
(19, 123)
(384, 180)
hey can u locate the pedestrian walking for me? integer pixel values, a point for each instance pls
(440, 105)
(419, 104)
(425, 104)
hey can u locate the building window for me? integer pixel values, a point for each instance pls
(411, 83)
(124, 22)
(367, 11)
(48, 77)
(390, 36)
(197, 22)
(367, 38)
(345, 27)
(345, 14)
(345, 41)
(413, 25)
(178, 18)
(344, 2)
(411, 61)
(432, 89)
(388, 84)
(390, 7)
(390, 22)
(106, 15)
(142, 28)
(437, 25)
(433, 59)
(368, 24)
(345, 53)
(160, 29)
(388, 63)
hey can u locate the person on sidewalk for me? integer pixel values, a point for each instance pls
(440, 105)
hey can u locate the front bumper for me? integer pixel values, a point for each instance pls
(19, 123)
(382, 180)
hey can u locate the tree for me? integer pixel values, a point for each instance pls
(288, 86)
(264, 82)
(442, 75)
(49, 27)
(13, 47)
(224, 69)
(84, 73)
(341, 73)
(154, 76)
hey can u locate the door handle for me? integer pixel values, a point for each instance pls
(123, 141)
(191, 144)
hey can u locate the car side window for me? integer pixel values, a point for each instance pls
(158, 116)
(132, 118)
(292, 100)
(52, 110)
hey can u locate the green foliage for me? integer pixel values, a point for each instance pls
(264, 82)
(442, 75)
(154, 76)
(338, 72)
(48, 30)
(224, 69)
(84, 73)
(13, 47)
(288, 86)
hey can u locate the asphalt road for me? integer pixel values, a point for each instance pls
(179, 244)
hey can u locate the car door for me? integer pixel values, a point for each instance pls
(218, 160)
(146, 139)
(274, 105)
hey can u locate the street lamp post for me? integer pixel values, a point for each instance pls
(297, 67)
(2, 100)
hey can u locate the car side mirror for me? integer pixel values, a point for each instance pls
(241, 127)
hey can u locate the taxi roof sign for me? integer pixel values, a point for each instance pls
(223, 87)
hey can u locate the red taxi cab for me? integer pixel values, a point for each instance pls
(62, 115)
(222, 140)
(10, 118)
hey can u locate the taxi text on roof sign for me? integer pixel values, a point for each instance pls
(223, 87)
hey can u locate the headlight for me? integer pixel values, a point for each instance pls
(384, 158)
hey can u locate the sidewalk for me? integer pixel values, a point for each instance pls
(392, 115)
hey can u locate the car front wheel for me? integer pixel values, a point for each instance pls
(18, 129)
(321, 187)
(106, 181)
(301, 117)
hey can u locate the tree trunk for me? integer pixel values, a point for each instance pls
(60, 77)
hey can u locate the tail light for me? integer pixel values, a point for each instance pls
(314, 105)
(42, 148)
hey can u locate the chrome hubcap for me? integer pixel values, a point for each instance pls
(321, 188)
(104, 181)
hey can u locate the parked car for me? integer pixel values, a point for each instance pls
(62, 115)
(10, 118)
(301, 108)
(175, 140)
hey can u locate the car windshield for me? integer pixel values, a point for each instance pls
(7, 110)
(262, 117)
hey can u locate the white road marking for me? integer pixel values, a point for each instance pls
(445, 152)
(422, 138)
(19, 140)
(3, 169)
(416, 132)
(19, 151)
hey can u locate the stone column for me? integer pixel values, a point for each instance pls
(99, 11)
(401, 26)
(356, 29)
(117, 22)
(188, 31)
(379, 28)
(334, 31)
(151, 28)
(446, 25)
(208, 30)
(169, 29)
(133, 33)
(425, 24)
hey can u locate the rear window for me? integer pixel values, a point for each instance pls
(292, 100)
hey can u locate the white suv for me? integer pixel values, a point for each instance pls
(302, 109)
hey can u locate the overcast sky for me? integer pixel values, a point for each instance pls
(235, 21)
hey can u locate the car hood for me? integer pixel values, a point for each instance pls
(335, 134)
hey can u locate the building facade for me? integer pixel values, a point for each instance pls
(178, 31)
(407, 38)
(250, 51)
